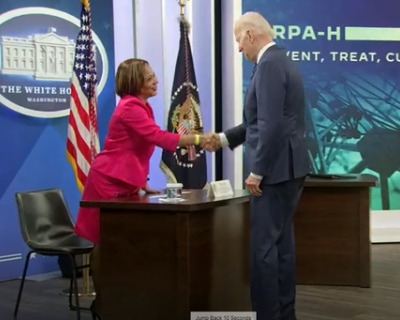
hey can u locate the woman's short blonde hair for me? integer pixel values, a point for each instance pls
(130, 77)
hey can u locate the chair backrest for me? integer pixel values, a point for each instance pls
(44, 217)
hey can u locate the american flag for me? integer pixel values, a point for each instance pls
(83, 139)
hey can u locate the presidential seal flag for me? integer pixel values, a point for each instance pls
(83, 138)
(186, 165)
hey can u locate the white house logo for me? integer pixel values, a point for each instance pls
(37, 52)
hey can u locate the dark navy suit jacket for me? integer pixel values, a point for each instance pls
(274, 121)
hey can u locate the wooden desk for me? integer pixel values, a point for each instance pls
(161, 261)
(332, 226)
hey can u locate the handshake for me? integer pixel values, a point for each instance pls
(210, 141)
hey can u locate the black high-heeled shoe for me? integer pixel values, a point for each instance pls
(95, 316)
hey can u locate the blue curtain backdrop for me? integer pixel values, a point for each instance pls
(352, 83)
(33, 146)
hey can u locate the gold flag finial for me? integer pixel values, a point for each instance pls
(85, 3)
(182, 4)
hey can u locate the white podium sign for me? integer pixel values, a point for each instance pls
(219, 189)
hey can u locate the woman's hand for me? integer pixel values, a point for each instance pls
(150, 191)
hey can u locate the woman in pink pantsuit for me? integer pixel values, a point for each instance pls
(121, 169)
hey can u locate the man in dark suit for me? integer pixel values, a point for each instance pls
(277, 163)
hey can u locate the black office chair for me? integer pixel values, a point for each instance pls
(47, 229)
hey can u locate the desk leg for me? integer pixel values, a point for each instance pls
(364, 241)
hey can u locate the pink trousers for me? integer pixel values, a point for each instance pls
(99, 186)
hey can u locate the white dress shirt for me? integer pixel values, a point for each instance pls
(222, 136)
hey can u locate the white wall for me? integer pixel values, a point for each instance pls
(385, 226)
(204, 62)
(149, 29)
(124, 31)
(232, 92)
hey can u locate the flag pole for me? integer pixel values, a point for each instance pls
(86, 290)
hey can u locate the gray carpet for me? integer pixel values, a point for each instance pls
(41, 300)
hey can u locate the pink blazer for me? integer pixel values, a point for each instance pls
(130, 142)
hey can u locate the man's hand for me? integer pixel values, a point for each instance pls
(253, 185)
(210, 141)
(150, 191)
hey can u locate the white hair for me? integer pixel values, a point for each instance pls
(255, 22)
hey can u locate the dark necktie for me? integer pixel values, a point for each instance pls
(252, 75)
(254, 70)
